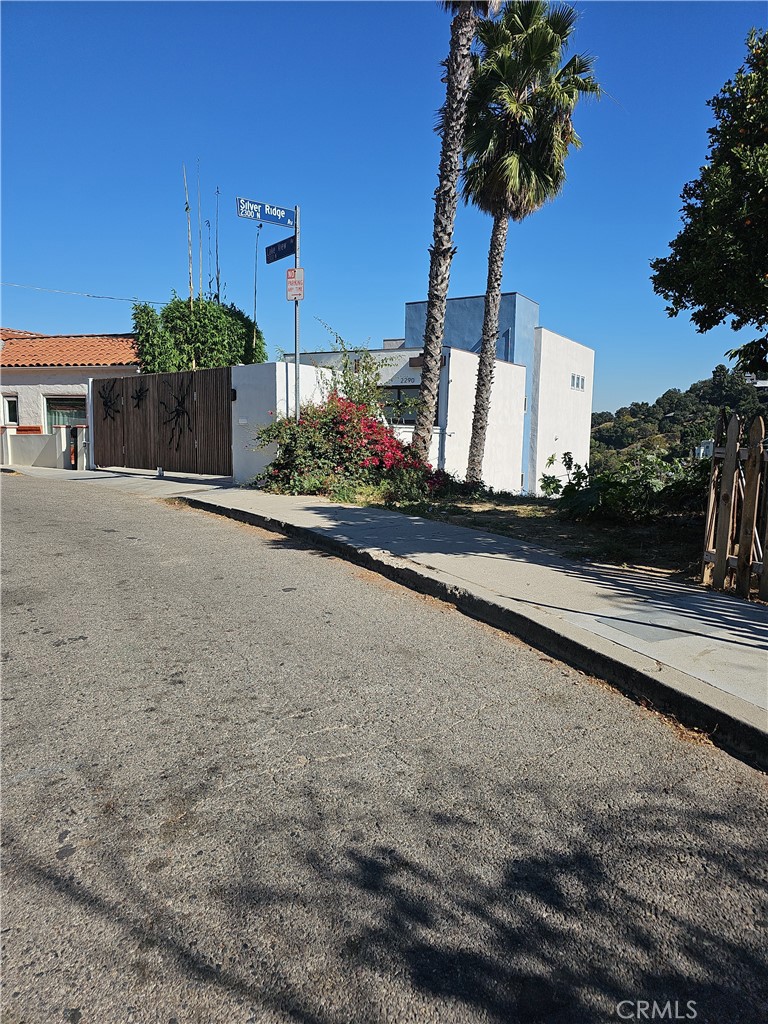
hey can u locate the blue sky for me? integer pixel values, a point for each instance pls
(332, 106)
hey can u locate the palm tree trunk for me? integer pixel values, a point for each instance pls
(441, 251)
(487, 362)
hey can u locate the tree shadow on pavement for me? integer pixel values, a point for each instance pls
(463, 902)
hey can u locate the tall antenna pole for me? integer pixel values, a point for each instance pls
(189, 235)
(199, 232)
(210, 273)
(218, 273)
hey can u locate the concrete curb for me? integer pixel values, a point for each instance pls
(731, 725)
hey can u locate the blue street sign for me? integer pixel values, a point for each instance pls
(252, 210)
(281, 249)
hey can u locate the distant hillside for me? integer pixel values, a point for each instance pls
(677, 420)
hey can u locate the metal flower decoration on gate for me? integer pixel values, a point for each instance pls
(110, 400)
(178, 415)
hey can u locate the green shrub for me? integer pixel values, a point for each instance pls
(641, 488)
(338, 447)
(408, 484)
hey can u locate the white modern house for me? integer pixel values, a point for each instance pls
(541, 402)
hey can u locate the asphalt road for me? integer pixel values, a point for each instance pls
(245, 782)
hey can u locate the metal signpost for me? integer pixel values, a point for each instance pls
(250, 209)
(297, 375)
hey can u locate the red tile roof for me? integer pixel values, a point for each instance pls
(22, 348)
(9, 333)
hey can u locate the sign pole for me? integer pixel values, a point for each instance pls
(250, 209)
(296, 324)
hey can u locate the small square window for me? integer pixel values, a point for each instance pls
(12, 410)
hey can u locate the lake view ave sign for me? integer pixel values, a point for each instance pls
(294, 283)
(252, 210)
(278, 251)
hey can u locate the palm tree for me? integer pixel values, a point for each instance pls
(458, 69)
(518, 134)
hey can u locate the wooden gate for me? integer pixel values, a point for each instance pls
(736, 538)
(181, 422)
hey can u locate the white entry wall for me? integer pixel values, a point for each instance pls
(264, 391)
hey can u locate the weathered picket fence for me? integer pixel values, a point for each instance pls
(736, 537)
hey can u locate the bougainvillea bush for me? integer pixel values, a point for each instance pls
(339, 448)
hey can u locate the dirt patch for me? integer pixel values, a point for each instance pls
(672, 545)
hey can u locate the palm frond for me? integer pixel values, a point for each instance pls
(519, 127)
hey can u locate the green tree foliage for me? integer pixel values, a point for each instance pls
(676, 421)
(718, 266)
(201, 336)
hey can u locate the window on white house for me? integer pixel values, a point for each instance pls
(11, 410)
(400, 404)
(64, 412)
(578, 383)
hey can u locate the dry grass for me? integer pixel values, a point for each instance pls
(671, 545)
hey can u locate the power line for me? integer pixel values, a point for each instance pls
(85, 295)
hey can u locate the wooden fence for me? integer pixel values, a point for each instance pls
(181, 422)
(736, 537)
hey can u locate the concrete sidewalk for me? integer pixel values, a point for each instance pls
(698, 655)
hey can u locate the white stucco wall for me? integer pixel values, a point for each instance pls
(51, 451)
(38, 449)
(405, 434)
(562, 415)
(30, 385)
(265, 390)
(395, 370)
(502, 462)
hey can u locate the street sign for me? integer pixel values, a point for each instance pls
(294, 283)
(281, 249)
(252, 210)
